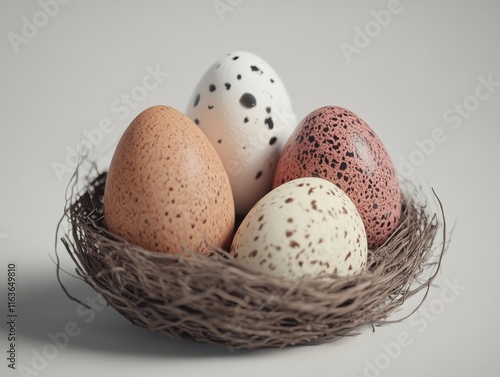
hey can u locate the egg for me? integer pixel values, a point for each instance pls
(166, 187)
(336, 144)
(305, 227)
(244, 109)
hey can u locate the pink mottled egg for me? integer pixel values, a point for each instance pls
(335, 144)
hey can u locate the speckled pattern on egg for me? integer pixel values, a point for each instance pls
(242, 106)
(335, 144)
(307, 226)
(166, 187)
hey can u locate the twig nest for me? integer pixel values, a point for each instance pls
(214, 299)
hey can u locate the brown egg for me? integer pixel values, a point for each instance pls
(167, 188)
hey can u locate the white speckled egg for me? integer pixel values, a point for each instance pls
(305, 227)
(244, 109)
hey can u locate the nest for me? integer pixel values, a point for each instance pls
(213, 299)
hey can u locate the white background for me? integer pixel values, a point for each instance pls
(65, 76)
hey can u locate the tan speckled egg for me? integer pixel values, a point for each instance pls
(166, 187)
(305, 227)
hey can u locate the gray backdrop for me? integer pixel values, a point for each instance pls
(424, 74)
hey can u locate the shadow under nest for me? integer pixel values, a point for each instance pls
(213, 299)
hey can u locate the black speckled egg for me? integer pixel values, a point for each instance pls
(244, 109)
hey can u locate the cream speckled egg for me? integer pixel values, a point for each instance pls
(166, 186)
(243, 107)
(307, 226)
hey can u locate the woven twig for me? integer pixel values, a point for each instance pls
(213, 299)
